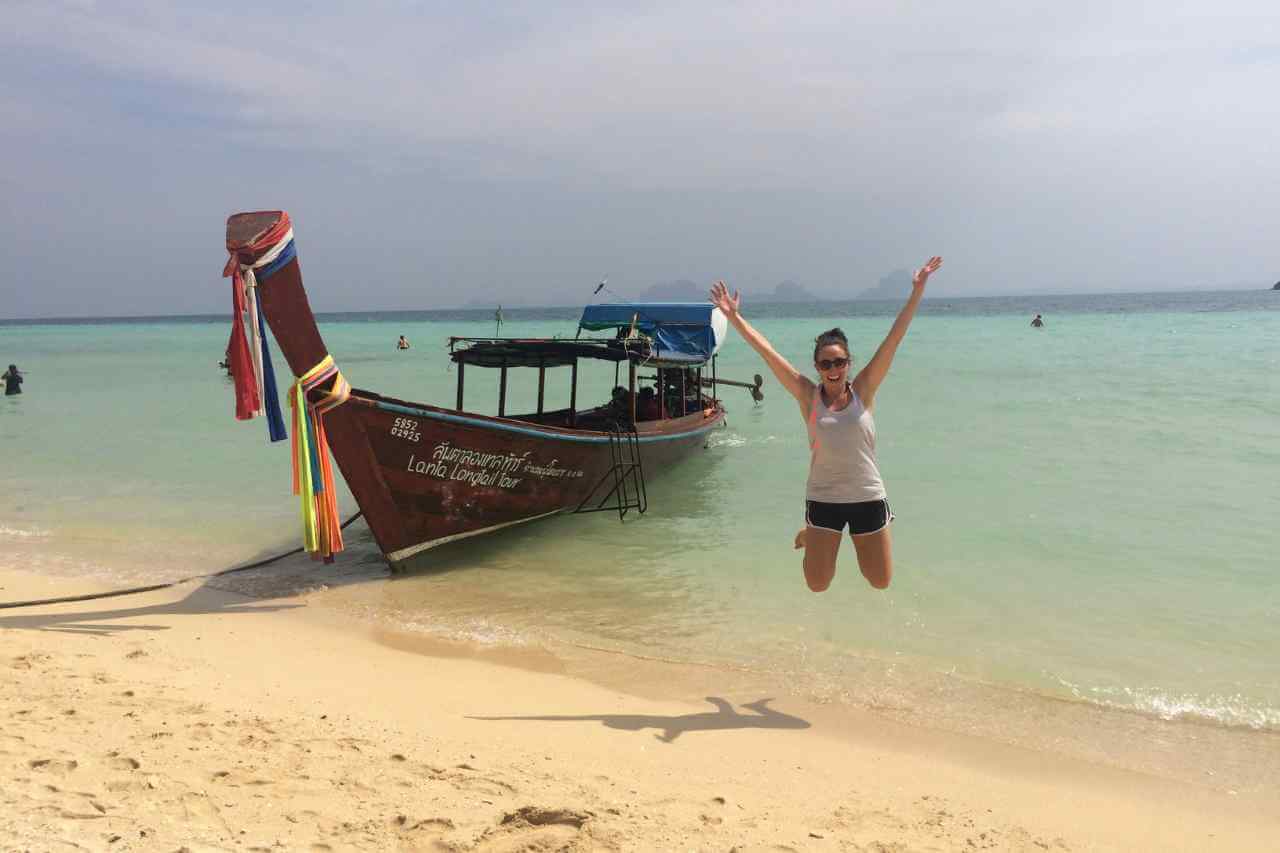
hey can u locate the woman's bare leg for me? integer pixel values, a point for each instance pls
(821, 547)
(875, 557)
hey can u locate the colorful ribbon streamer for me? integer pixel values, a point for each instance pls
(312, 472)
(275, 421)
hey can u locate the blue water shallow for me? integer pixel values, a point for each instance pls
(1086, 511)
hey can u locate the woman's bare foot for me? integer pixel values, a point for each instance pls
(801, 539)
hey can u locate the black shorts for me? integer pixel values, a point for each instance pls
(862, 518)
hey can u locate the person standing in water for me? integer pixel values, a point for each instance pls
(12, 381)
(1037, 323)
(844, 486)
(402, 343)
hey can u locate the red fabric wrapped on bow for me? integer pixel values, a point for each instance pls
(248, 394)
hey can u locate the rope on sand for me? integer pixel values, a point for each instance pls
(8, 605)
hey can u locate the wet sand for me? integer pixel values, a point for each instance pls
(203, 719)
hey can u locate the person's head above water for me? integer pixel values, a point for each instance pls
(831, 357)
(13, 368)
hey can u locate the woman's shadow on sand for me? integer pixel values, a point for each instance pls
(670, 728)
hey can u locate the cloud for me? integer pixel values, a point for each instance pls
(818, 141)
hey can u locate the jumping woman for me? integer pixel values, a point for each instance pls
(844, 485)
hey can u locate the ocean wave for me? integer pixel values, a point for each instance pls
(734, 440)
(7, 532)
(480, 632)
(1229, 710)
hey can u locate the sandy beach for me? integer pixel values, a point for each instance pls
(546, 328)
(195, 718)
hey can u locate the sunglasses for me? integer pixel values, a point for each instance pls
(828, 363)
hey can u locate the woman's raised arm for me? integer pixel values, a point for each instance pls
(868, 380)
(797, 385)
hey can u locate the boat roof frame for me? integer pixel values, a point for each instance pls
(555, 352)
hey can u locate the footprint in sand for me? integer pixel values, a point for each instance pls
(123, 763)
(202, 731)
(535, 828)
(53, 765)
(422, 835)
(406, 824)
(486, 785)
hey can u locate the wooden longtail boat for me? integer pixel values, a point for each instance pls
(424, 475)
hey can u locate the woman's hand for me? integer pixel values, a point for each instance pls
(721, 299)
(922, 275)
(797, 386)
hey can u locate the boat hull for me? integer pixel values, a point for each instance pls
(453, 474)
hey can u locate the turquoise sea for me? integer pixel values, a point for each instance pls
(1088, 514)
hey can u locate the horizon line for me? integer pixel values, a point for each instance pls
(89, 318)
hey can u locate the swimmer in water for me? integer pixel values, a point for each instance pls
(12, 381)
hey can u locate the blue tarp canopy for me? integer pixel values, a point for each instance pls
(680, 332)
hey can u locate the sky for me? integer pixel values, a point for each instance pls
(440, 154)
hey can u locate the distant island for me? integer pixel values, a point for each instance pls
(684, 290)
(789, 291)
(1276, 286)
(894, 285)
(680, 290)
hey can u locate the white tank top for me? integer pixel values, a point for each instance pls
(842, 467)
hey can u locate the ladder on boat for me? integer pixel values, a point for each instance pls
(625, 476)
